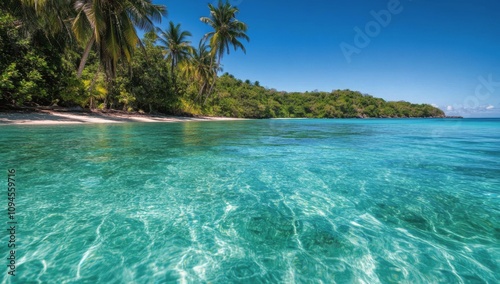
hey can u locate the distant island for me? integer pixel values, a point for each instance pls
(236, 98)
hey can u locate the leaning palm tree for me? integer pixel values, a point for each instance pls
(199, 68)
(175, 42)
(227, 31)
(111, 25)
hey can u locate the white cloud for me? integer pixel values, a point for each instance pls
(449, 108)
(490, 107)
(434, 105)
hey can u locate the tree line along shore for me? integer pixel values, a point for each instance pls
(87, 53)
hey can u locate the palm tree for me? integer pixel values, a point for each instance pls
(111, 25)
(199, 67)
(227, 31)
(175, 42)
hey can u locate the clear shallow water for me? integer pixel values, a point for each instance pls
(289, 201)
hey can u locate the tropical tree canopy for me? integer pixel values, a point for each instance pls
(112, 26)
(175, 42)
(227, 29)
(199, 67)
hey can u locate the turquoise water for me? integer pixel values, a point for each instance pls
(259, 201)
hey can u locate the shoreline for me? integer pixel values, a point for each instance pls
(53, 117)
(62, 116)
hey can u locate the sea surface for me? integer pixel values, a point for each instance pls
(257, 201)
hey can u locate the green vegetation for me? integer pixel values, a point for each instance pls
(242, 99)
(87, 53)
(32, 68)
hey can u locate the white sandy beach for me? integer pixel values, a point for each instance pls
(46, 117)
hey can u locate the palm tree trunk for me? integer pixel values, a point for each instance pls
(173, 77)
(85, 56)
(108, 99)
(91, 87)
(200, 93)
(215, 78)
(211, 88)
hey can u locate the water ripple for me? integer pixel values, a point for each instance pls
(309, 201)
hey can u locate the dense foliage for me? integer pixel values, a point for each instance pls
(66, 62)
(32, 69)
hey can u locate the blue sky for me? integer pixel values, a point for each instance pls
(441, 52)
